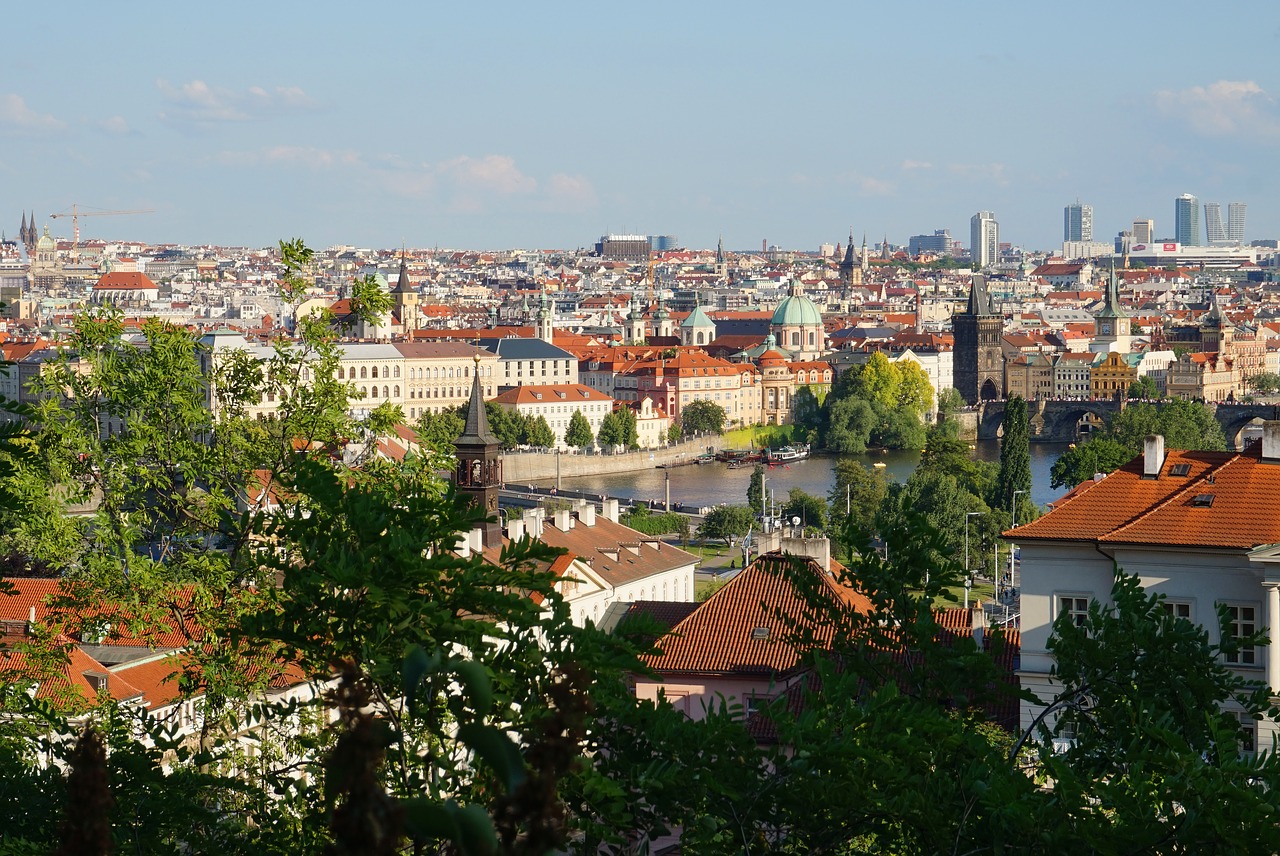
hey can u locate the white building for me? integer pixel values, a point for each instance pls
(984, 237)
(1197, 527)
(557, 403)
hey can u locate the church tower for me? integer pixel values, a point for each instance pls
(722, 265)
(850, 268)
(544, 326)
(1216, 331)
(479, 475)
(1112, 327)
(406, 298)
(635, 322)
(978, 362)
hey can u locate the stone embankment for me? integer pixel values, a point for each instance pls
(519, 467)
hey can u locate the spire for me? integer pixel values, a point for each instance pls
(720, 251)
(476, 432)
(402, 282)
(979, 300)
(1111, 307)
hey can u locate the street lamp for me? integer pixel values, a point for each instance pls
(967, 573)
(1013, 514)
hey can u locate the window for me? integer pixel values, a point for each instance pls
(397, 371)
(1178, 608)
(1076, 607)
(1248, 733)
(375, 371)
(363, 373)
(1242, 621)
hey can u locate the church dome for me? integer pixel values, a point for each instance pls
(46, 242)
(796, 310)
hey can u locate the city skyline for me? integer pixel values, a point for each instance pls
(537, 128)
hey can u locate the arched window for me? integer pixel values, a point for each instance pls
(384, 393)
(386, 371)
(374, 394)
(466, 371)
(811, 339)
(397, 390)
(375, 371)
(364, 391)
(339, 372)
(397, 371)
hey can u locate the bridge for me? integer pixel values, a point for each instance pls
(1061, 421)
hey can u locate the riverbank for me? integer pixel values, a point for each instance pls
(522, 467)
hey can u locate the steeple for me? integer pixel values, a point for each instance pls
(544, 327)
(979, 299)
(720, 251)
(479, 473)
(865, 258)
(1111, 307)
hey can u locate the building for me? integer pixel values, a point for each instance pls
(623, 248)
(1144, 231)
(1196, 527)
(557, 403)
(984, 239)
(797, 326)
(1235, 222)
(938, 244)
(978, 358)
(1077, 222)
(523, 360)
(1112, 327)
(1112, 375)
(1186, 218)
(1214, 229)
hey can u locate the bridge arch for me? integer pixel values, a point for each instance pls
(1236, 419)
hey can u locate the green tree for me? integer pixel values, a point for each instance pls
(726, 522)
(1014, 478)
(539, 433)
(850, 422)
(613, 430)
(510, 427)
(1266, 383)
(949, 401)
(857, 495)
(440, 431)
(579, 432)
(1144, 388)
(702, 417)
(755, 490)
(674, 434)
(1079, 463)
(812, 510)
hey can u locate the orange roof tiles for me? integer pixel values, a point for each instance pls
(1125, 508)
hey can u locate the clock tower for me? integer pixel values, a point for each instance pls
(479, 474)
(1112, 327)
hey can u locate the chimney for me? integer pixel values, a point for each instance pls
(587, 515)
(463, 547)
(477, 539)
(515, 529)
(611, 509)
(562, 519)
(978, 620)
(1152, 456)
(1271, 440)
(533, 522)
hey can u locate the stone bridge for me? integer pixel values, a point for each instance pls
(1058, 421)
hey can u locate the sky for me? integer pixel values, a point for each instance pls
(546, 125)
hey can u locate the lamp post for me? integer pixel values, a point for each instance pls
(1013, 514)
(968, 575)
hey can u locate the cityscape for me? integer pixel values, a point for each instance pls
(639, 430)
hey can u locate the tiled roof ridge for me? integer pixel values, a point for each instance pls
(1211, 470)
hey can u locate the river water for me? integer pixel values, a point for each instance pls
(712, 484)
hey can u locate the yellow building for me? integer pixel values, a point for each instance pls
(1112, 376)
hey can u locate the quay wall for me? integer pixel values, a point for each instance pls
(520, 467)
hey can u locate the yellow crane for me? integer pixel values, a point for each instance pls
(75, 214)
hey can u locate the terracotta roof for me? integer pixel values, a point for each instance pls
(124, 280)
(616, 553)
(570, 393)
(1125, 508)
(743, 629)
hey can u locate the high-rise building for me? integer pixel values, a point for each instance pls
(1186, 218)
(1235, 222)
(1214, 231)
(984, 239)
(1077, 222)
(939, 242)
(1144, 231)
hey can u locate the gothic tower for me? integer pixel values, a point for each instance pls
(978, 362)
(406, 298)
(479, 475)
(850, 268)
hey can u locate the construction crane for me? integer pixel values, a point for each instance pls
(75, 214)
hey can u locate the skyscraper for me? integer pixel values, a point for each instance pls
(1214, 231)
(1077, 222)
(1143, 231)
(1186, 218)
(984, 239)
(1235, 222)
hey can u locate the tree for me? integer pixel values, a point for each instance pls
(511, 428)
(579, 431)
(702, 417)
(857, 495)
(539, 433)
(726, 522)
(1266, 383)
(440, 431)
(812, 510)
(673, 433)
(1079, 463)
(755, 490)
(1014, 477)
(849, 425)
(613, 430)
(949, 401)
(1144, 388)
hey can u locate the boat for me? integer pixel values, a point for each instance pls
(787, 454)
(706, 458)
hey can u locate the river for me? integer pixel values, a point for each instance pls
(712, 484)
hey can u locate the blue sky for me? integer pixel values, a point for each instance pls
(545, 125)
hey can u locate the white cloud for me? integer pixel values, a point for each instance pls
(875, 186)
(491, 173)
(304, 157)
(915, 164)
(198, 104)
(116, 125)
(991, 172)
(1224, 108)
(569, 193)
(16, 115)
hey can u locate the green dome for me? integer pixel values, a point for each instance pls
(796, 310)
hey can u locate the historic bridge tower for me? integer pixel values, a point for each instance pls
(978, 361)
